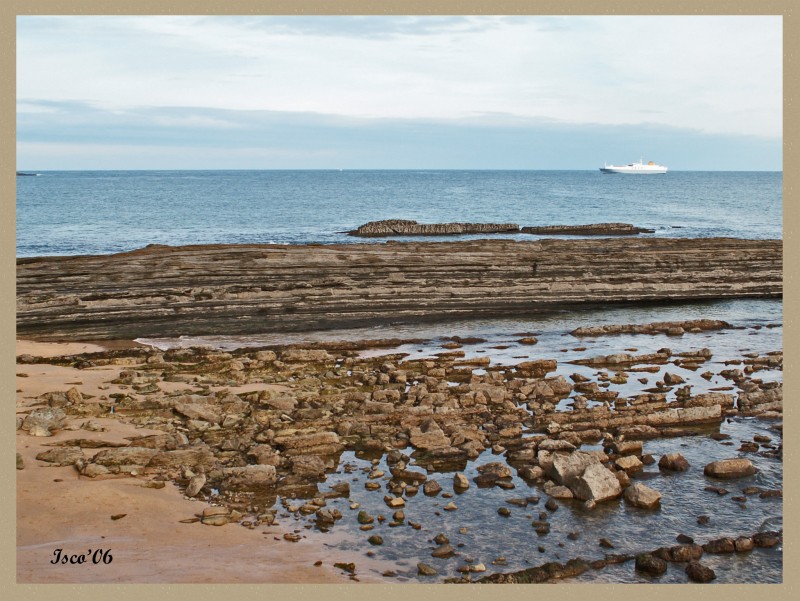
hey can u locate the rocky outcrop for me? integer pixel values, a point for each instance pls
(658, 327)
(591, 229)
(239, 289)
(406, 227)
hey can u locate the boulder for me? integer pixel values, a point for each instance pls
(627, 447)
(728, 469)
(195, 457)
(567, 468)
(501, 470)
(45, 420)
(200, 411)
(124, 459)
(405, 475)
(432, 488)
(428, 436)
(597, 484)
(650, 564)
(697, 572)
(248, 477)
(308, 466)
(196, 483)
(674, 462)
(630, 464)
(639, 495)
(61, 456)
(538, 368)
(306, 356)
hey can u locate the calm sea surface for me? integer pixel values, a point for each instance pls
(67, 213)
(100, 212)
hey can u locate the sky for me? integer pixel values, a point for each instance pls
(460, 92)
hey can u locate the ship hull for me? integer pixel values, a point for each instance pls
(628, 170)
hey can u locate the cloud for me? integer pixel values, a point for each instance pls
(718, 74)
(74, 135)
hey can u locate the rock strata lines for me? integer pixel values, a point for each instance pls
(240, 289)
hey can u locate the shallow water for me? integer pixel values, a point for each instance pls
(630, 529)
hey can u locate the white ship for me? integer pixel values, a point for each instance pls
(641, 167)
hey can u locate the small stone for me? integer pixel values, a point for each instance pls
(375, 540)
(423, 569)
(606, 544)
(432, 488)
(215, 516)
(443, 551)
(504, 511)
(460, 482)
(450, 506)
(551, 505)
(683, 539)
(364, 517)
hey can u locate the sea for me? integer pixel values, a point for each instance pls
(101, 212)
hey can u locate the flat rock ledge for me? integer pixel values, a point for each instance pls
(592, 229)
(245, 289)
(407, 227)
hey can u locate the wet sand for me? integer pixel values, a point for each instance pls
(58, 509)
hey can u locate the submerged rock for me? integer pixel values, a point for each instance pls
(697, 572)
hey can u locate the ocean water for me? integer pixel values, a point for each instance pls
(101, 212)
(68, 213)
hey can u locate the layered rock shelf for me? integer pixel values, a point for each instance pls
(239, 289)
(592, 229)
(406, 227)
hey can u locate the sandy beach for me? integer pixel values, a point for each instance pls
(59, 509)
